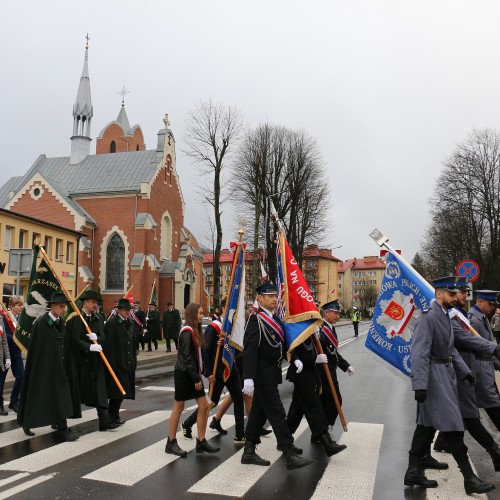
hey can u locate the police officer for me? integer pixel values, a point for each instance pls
(329, 341)
(435, 384)
(486, 389)
(355, 320)
(264, 346)
(469, 346)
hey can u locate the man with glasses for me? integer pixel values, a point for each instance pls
(434, 382)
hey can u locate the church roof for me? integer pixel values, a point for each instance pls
(122, 120)
(12, 185)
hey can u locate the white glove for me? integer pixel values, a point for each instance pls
(350, 370)
(321, 358)
(145, 331)
(248, 387)
(299, 365)
(7, 364)
(92, 336)
(95, 347)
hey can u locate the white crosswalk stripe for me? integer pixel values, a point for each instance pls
(7, 418)
(15, 490)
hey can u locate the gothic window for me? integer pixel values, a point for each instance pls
(115, 263)
(137, 147)
(166, 237)
(112, 147)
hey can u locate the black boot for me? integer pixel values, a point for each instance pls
(414, 475)
(494, 453)
(174, 449)
(215, 425)
(250, 457)
(429, 462)
(472, 483)
(296, 449)
(330, 446)
(3, 411)
(440, 445)
(294, 461)
(202, 446)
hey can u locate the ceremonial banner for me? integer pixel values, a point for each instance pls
(42, 285)
(154, 298)
(130, 295)
(295, 307)
(234, 318)
(403, 295)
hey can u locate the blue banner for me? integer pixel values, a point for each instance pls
(403, 295)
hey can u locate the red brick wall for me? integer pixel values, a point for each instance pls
(123, 143)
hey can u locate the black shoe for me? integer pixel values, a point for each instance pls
(315, 440)
(108, 427)
(330, 446)
(474, 485)
(169, 350)
(3, 411)
(296, 449)
(173, 448)
(494, 453)
(429, 462)
(117, 421)
(186, 431)
(294, 461)
(156, 347)
(150, 350)
(265, 432)
(14, 407)
(66, 435)
(202, 446)
(250, 457)
(215, 425)
(28, 432)
(239, 440)
(414, 475)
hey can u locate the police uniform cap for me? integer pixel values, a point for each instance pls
(463, 283)
(490, 295)
(448, 283)
(90, 294)
(124, 304)
(58, 298)
(266, 289)
(332, 306)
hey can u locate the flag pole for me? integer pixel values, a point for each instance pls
(150, 298)
(77, 311)
(226, 312)
(317, 343)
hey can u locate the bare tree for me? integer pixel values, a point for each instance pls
(466, 209)
(213, 131)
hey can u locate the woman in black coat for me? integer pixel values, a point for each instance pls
(188, 383)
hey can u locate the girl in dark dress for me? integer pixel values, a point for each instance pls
(188, 383)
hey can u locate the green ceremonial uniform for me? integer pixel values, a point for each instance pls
(50, 374)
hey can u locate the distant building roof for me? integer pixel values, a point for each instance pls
(314, 251)
(370, 262)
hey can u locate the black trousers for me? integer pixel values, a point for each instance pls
(267, 405)
(103, 415)
(114, 408)
(305, 401)
(233, 385)
(479, 433)
(454, 441)
(494, 414)
(176, 342)
(155, 343)
(326, 397)
(356, 326)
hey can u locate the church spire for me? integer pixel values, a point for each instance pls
(82, 115)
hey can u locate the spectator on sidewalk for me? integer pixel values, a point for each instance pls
(171, 326)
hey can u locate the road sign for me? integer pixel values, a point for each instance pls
(468, 269)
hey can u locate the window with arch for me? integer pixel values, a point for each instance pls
(115, 263)
(137, 147)
(112, 147)
(166, 237)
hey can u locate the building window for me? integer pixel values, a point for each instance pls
(23, 238)
(9, 290)
(9, 235)
(59, 249)
(112, 147)
(166, 237)
(137, 147)
(115, 263)
(69, 252)
(48, 245)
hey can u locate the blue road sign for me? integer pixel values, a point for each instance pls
(468, 269)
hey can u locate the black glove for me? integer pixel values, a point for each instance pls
(496, 364)
(420, 395)
(471, 379)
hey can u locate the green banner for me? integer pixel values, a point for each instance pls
(42, 285)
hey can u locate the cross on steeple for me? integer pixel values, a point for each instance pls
(87, 38)
(165, 120)
(123, 92)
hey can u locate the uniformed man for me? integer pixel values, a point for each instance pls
(171, 326)
(91, 369)
(121, 354)
(469, 346)
(486, 388)
(264, 346)
(435, 384)
(46, 397)
(329, 341)
(153, 330)
(139, 321)
(355, 320)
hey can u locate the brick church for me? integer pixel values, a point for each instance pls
(127, 202)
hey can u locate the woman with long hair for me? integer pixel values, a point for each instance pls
(188, 383)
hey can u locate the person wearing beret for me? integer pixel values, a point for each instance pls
(121, 354)
(264, 346)
(153, 330)
(435, 363)
(46, 396)
(486, 388)
(91, 369)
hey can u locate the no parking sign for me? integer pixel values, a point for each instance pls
(468, 269)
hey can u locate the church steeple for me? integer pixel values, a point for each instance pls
(82, 115)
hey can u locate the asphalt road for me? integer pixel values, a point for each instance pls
(130, 463)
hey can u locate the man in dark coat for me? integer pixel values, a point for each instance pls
(153, 330)
(171, 326)
(264, 345)
(50, 374)
(91, 368)
(434, 381)
(139, 321)
(121, 354)
(487, 394)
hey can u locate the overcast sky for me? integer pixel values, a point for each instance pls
(387, 87)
